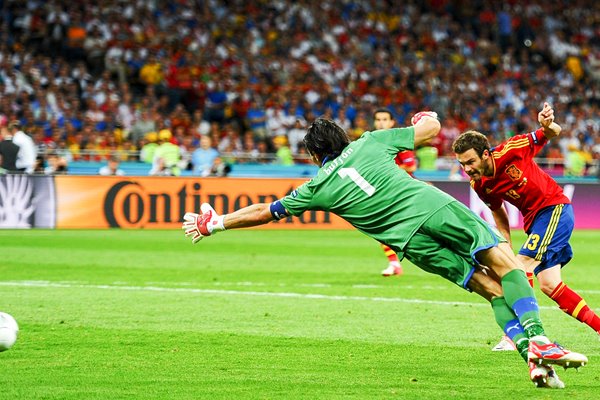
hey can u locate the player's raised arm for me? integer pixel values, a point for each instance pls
(426, 125)
(546, 120)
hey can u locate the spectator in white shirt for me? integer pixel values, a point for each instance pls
(27, 150)
(112, 168)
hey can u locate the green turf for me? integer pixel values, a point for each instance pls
(260, 315)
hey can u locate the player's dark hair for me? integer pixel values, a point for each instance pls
(324, 138)
(471, 140)
(383, 110)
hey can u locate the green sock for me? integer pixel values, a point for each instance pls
(521, 299)
(509, 323)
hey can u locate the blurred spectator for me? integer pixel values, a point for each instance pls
(216, 102)
(8, 151)
(231, 141)
(427, 157)
(95, 46)
(27, 148)
(596, 149)
(40, 165)
(151, 72)
(204, 157)
(361, 125)
(111, 168)
(56, 165)
(160, 168)
(568, 140)
(282, 151)
(167, 156)
(263, 155)
(342, 120)
(448, 133)
(296, 136)
(574, 162)
(220, 168)
(186, 148)
(114, 61)
(257, 120)
(149, 147)
(278, 122)
(62, 150)
(249, 148)
(143, 125)
(76, 35)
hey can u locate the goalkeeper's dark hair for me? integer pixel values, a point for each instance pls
(471, 140)
(325, 139)
(383, 110)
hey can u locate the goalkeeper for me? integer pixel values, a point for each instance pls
(359, 182)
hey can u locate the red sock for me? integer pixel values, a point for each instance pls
(530, 278)
(574, 305)
(389, 253)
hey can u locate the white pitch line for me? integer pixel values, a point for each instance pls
(47, 284)
(316, 285)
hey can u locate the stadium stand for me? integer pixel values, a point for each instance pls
(92, 80)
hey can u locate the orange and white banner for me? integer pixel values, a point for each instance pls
(161, 202)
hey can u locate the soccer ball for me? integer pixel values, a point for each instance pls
(8, 331)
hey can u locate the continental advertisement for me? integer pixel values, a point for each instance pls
(75, 202)
(161, 202)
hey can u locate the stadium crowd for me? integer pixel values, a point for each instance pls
(198, 85)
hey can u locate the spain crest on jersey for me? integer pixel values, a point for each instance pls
(513, 172)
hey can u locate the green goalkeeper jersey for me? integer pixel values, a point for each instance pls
(364, 186)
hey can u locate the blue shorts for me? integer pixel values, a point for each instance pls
(548, 240)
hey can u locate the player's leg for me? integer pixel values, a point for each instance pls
(394, 267)
(567, 299)
(521, 299)
(505, 343)
(519, 295)
(545, 251)
(466, 234)
(488, 286)
(435, 258)
(453, 261)
(469, 236)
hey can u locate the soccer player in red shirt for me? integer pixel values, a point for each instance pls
(383, 119)
(508, 172)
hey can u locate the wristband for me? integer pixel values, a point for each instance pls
(219, 224)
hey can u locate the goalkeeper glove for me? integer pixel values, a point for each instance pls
(419, 116)
(198, 226)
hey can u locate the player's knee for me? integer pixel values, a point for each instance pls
(549, 279)
(548, 286)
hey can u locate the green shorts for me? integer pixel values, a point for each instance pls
(446, 244)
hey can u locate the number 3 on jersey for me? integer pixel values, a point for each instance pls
(353, 174)
(532, 242)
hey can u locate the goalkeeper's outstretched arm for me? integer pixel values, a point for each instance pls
(256, 214)
(198, 226)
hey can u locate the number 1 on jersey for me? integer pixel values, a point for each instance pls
(353, 174)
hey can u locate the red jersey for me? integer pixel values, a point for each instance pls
(518, 179)
(406, 158)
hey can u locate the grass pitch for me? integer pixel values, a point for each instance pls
(261, 315)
